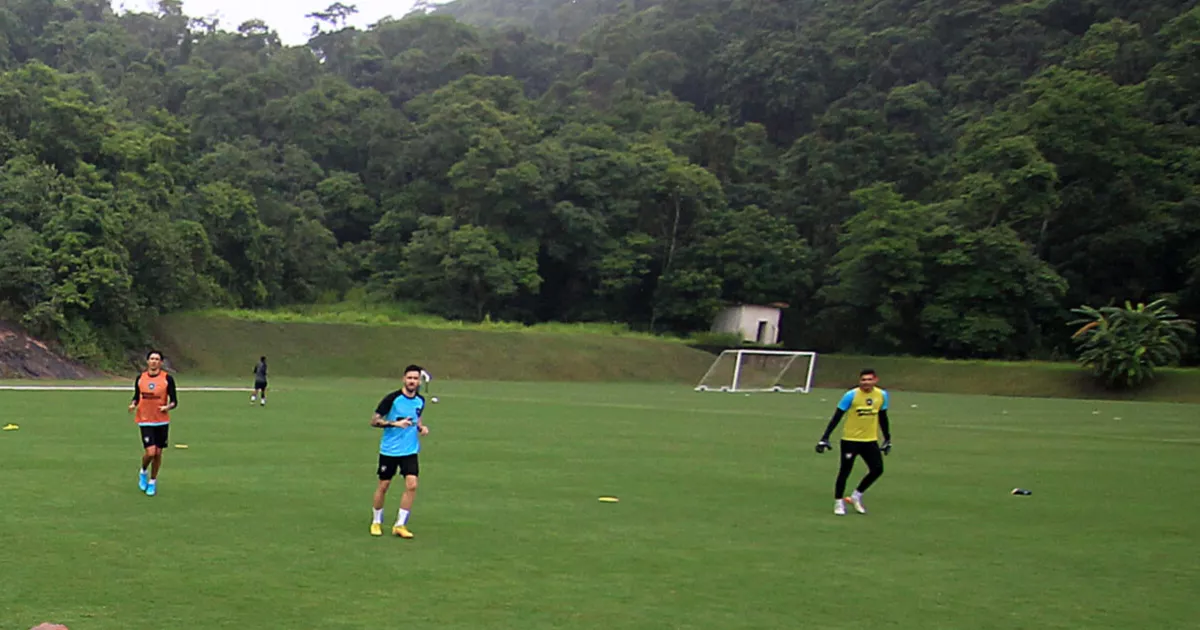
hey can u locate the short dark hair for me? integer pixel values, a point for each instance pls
(263, 359)
(413, 368)
(866, 372)
(152, 353)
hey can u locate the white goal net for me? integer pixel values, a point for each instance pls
(760, 371)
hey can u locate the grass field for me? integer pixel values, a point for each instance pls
(1035, 379)
(213, 345)
(724, 521)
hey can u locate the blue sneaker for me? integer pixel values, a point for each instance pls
(142, 481)
(150, 489)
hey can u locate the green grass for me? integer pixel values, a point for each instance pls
(214, 345)
(220, 346)
(370, 314)
(1001, 378)
(724, 520)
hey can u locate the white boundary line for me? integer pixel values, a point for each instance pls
(108, 388)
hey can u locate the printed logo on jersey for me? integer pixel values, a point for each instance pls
(153, 384)
(866, 409)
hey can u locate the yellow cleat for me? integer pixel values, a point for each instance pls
(402, 531)
(376, 529)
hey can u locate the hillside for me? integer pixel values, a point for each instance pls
(916, 177)
(996, 378)
(214, 346)
(22, 356)
(223, 348)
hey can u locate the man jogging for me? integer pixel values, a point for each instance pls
(260, 382)
(153, 399)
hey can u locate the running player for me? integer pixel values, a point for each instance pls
(867, 409)
(153, 399)
(260, 382)
(399, 415)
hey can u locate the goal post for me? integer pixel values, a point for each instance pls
(760, 371)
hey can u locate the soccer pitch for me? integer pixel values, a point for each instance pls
(724, 519)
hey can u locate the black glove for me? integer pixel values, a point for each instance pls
(887, 447)
(823, 446)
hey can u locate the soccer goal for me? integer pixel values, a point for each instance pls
(760, 371)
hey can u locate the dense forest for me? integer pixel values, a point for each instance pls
(940, 177)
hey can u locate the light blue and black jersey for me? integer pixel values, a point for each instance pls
(397, 442)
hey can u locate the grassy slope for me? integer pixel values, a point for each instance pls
(208, 346)
(724, 520)
(213, 346)
(996, 378)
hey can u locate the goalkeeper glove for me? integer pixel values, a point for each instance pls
(887, 447)
(823, 446)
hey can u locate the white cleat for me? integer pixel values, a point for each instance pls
(839, 507)
(856, 501)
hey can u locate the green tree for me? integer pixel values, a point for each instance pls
(1123, 346)
(879, 274)
(464, 271)
(988, 295)
(25, 273)
(1112, 188)
(942, 177)
(760, 258)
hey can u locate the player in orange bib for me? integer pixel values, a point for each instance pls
(153, 399)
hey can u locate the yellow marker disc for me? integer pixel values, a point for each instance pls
(609, 499)
(181, 446)
(11, 427)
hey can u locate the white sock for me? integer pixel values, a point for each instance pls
(377, 517)
(143, 471)
(402, 517)
(153, 481)
(856, 496)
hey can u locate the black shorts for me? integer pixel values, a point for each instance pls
(155, 435)
(406, 464)
(869, 451)
(259, 385)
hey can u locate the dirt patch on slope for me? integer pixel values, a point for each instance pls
(22, 356)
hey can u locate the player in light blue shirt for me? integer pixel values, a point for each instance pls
(399, 415)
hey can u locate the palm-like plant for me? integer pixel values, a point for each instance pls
(1122, 346)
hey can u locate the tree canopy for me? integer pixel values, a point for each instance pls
(946, 177)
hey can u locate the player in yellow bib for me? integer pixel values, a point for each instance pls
(866, 411)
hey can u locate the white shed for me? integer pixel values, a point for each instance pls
(754, 323)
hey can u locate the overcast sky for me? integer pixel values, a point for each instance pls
(284, 16)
